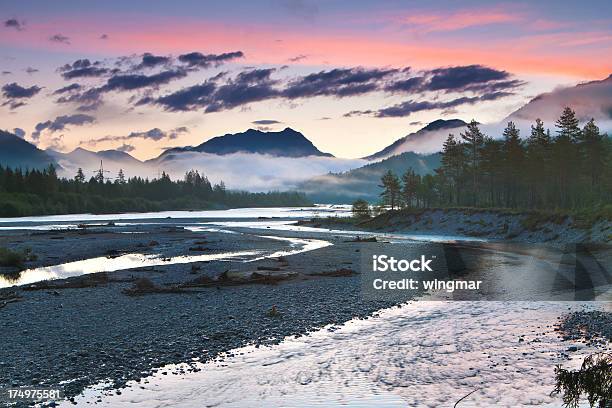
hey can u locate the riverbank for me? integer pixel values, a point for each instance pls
(423, 353)
(81, 334)
(97, 328)
(497, 225)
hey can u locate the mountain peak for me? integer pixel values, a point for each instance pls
(80, 150)
(285, 143)
(444, 124)
(420, 141)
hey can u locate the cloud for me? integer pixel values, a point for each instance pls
(435, 22)
(459, 78)
(88, 100)
(255, 85)
(298, 58)
(154, 134)
(185, 99)
(125, 82)
(67, 88)
(31, 70)
(408, 107)
(149, 60)
(83, 68)
(6, 72)
(406, 85)
(15, 24)
(197, 59)
(59, 38)
(13, 90)
(265, 122)
(19, 132)
(60, 123)
(255, 75)
(127, 148)
(248, 86)
(589, 100)
(337, 82)
(264, 172)
(15, 94)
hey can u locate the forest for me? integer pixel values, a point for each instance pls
(568, 170)
(36, 192)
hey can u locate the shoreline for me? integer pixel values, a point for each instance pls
(144, 333)
(491, 225)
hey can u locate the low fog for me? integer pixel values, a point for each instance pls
(241, 171)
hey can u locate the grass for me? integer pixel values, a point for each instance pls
(10, 258)
(533, 219)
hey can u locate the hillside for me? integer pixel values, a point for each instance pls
(18, 153)
(363, 182)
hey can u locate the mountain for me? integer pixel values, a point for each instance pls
(426, 140)
(590, 100)
(16, 152)
(286, 143)
(118, 156)
(363, 182)
(89, 161)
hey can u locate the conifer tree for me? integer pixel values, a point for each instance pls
(513, 163)
(411, 184)
(391, 189)
(592, 150)
(473, 140)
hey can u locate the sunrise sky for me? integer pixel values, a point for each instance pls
(353, 76)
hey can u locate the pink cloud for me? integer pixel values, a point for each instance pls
(560, 53)
(430, 22)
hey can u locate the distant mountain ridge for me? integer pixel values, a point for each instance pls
(285, 143)
(591, 99)
(18, 153)
(418, 138)
(362, 182)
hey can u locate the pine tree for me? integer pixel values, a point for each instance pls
(592, 150)
(473, 140)
(80, 177)
(568, 125)
(492, 171)
(392, 188)
(514, 156)
(121, 177)
(565, 155)
(411, 184)
(538, 156)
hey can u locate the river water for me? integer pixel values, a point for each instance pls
(426, 353)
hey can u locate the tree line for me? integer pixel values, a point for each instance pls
(571, 169)
(39, 192)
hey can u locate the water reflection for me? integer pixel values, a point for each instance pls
(106, 264)
(289, 225)
(278, 212)
(129, 261)
(424, 354)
